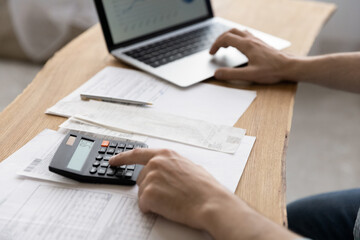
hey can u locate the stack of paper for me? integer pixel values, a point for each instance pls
(207, 102)
(72, 210)
(179, 115)
(65, 209)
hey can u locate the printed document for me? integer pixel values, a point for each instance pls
(75, 209)
(44, 211)
(81, 126)
(146, 122)
(226, 168)
(219, 105)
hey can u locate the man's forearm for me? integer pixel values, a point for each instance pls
(340, 71)
(231, 218)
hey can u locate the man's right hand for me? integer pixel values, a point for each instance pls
(177, 189)
(266, 64)
(174, 187)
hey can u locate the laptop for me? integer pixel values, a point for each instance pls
(171, 38)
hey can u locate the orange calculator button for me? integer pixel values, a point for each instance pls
(105, 144)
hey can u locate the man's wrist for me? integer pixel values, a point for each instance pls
(210, 211)
(228, 217)
(292, 68)
(217, 214)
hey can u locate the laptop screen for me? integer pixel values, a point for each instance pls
(132, 19)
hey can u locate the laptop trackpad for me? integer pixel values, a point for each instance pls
(200, 66)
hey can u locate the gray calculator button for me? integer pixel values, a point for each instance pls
(99, 157)
(120, 173)
(107, 158)
(130, 146)
(119, 150)
(102, 150)
(93, 170)
(121, 145)
(113, 145)
(131, 167)
(123, 167)
(128, 174)
(111, 171)
(111, 151)
(105, 164)
(102, 171)
(96, 164)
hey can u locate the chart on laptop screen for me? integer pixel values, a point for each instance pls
(129, 19)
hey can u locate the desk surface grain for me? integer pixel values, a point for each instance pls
(269, 118)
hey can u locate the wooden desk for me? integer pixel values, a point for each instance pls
(268, 118)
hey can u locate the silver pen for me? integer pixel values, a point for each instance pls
(112, 100)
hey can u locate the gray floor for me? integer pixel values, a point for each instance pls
(324, 148)
(14, 77)
(324, 151)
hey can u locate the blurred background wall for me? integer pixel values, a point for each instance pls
(324, 147)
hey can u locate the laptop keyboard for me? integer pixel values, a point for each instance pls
(180, 46)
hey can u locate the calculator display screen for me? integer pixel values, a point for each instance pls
(80, 155)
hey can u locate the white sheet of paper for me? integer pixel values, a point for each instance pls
(147, 122)
(226, 168)
(47, 211)
(39, 167)
(219, 105)
(37, 148)
(81, 126)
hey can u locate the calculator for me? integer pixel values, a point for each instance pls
(86, 159)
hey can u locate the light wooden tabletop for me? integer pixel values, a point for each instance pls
(269, 118)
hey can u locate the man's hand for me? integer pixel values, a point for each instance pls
(174, 187)
(266, 64)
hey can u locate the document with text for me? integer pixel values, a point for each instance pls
(171, 127)
(226, 168)
(45, 211)
(81, 126)
(33, 208)
(208, 102)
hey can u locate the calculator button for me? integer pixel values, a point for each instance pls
(105, 143)
(138, 146)
(130, 146)
(127, 149)
(102, 171)
(131, 167)
(102, 150)
(99, 157)
(107, 158)
(96, 164)
(113, 145)
(111, 171)
(123, 167)
(121, 145)
(120, 173)
(105, 164)
(93, 170)
(119, 150)
(110, 151)
(128, 174)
